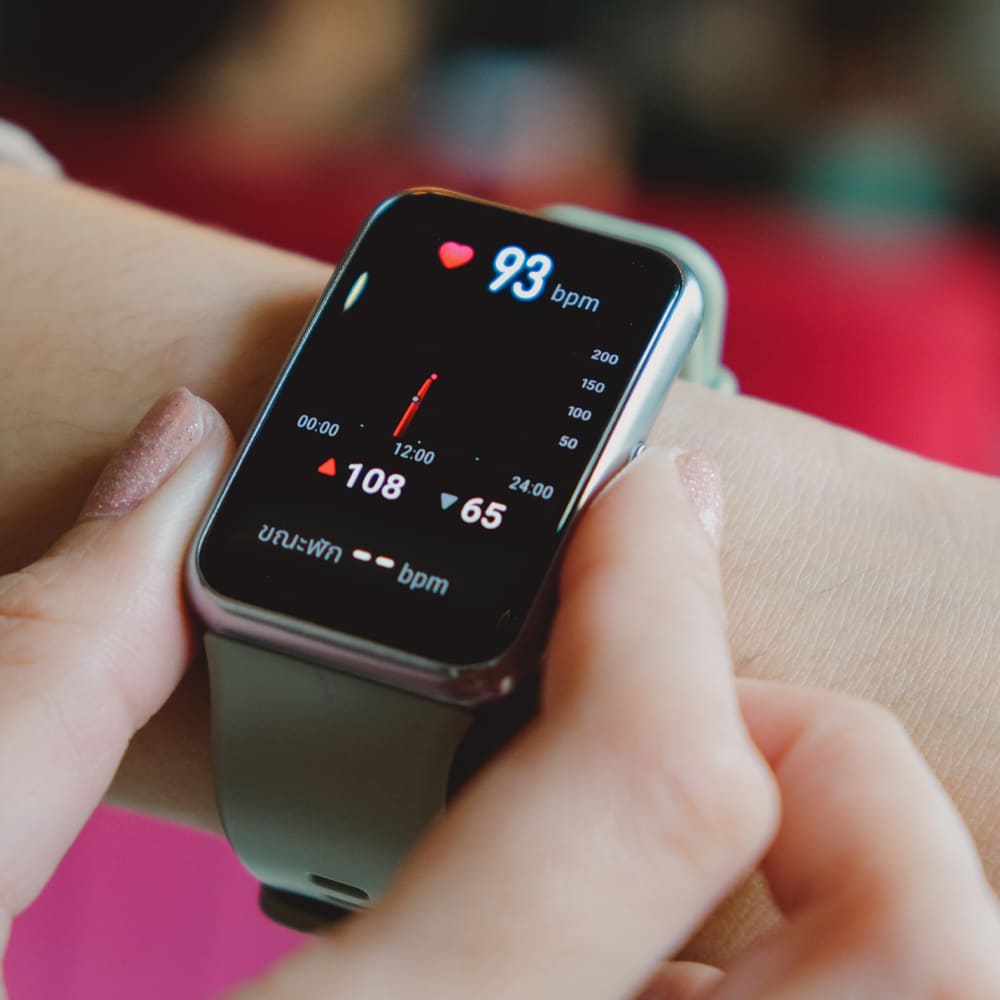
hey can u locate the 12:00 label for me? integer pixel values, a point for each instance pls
(414, 453)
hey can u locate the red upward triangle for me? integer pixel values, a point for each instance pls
(328, 468)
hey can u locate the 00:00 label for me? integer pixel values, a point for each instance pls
(327, 427)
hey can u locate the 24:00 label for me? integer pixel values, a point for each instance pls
(532, 487)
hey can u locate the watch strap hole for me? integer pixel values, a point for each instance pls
(342, 892)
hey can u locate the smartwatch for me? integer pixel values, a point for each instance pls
(376, 571)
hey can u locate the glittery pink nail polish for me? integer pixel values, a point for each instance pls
(164, 437)
(703, 484)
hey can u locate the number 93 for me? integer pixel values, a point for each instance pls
(512, 261)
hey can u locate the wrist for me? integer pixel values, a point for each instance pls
(852, 565)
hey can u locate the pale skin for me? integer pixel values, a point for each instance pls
(846, 564)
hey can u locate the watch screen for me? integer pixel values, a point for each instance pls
(419, 461)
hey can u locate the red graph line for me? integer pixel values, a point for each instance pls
(411, 411)
(404, 422)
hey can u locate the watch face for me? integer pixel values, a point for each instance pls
(418, 464)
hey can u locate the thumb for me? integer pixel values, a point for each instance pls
(94, 637)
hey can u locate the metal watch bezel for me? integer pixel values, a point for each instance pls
(473, 683)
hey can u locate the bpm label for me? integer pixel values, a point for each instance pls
(575, 300)
(417, 579)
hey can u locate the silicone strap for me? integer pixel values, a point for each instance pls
(324, 780)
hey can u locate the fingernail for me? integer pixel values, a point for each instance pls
(164, 437)
(700, 477)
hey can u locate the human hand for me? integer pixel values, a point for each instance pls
(596, 844)
(94, 636)
(601, 839)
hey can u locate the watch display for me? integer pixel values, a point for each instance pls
(420, 459)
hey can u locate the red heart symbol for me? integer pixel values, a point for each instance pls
(455, 254)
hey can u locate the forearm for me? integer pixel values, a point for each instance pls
(105, 306)
(848, 564)
(855, 566)
(858, 567)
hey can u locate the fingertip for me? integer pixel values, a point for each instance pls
(862, 810)
(176, 426)
(628, 521)
(701, 479)
(640, 576)
(682, 981)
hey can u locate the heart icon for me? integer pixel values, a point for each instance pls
(455, 254)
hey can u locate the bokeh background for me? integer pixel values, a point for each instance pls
(840, 158)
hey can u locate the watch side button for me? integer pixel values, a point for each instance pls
(637, 451)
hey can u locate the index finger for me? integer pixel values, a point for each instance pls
(873, 866)
(613, 825)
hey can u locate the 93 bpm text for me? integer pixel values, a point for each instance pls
(526, 275)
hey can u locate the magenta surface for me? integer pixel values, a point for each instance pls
(140, 908)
